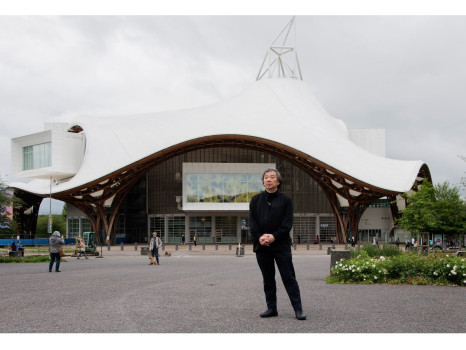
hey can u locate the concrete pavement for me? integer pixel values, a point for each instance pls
(211, 291)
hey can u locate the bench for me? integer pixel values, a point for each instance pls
(16, 253)
(460, 253)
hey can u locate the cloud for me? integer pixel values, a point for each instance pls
(405, 74)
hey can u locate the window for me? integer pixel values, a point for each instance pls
(201, 226)
(157, 224)
(73, 228)
(37, 156)
(86, 225)
(176, 226)
(305, 227)
(225, 229)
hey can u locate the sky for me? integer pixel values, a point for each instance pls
(405, 74)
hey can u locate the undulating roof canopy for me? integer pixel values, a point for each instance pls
(284, 112)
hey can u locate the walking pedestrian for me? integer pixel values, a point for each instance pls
(154, 246)
(82, 248)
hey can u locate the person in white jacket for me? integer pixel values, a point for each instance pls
(154, 246)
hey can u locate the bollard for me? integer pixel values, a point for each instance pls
(108, 246)
(122, 246)
(203, 247)
(308, 247)
(329, 249)
(229, 247)
(136, 246)
(294, 245)
(176, 246)
(320, 246)
(190, 246)
(216, 247)
(239, 251)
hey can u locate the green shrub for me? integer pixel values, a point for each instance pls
(408, 268)
(373, 251)
(26, 259)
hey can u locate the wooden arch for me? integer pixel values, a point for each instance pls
(100, 199)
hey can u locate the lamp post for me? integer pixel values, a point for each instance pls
(49, 225)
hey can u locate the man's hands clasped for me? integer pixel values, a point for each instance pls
(266, 239)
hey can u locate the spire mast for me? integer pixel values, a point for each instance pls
(278, 66)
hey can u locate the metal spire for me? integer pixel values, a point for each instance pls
(278, 66)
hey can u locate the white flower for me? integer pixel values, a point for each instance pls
(454, 267)
(435, 273)
(448, 265)
(373, 266)
(453, 272)
(382, 258)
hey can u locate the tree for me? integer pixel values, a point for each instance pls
(449, 210)
(419, 216)
(58, 224)
(463, 179)
(5, 203)
(436, 209)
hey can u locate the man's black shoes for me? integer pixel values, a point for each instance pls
(269, 313)
(273, 313)
(299, 315)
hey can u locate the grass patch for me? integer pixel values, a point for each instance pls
(26, 259)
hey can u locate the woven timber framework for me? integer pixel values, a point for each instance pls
(100, 199)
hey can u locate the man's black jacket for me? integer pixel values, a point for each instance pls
(271, 213)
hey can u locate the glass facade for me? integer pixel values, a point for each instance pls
(37, 156)
(164, 190)
(76, 227)
(132, 215)
(155, 202)
(226, 229)
(304, 229)
(201, 227)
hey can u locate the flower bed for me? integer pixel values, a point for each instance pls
(407, 268)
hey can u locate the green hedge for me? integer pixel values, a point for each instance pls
(26, 259)
(410, 268)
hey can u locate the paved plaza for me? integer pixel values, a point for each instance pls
(211, 291)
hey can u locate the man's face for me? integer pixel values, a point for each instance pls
(271, 181)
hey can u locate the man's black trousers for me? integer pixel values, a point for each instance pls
(266, 261)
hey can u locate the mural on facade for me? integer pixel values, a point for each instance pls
(222, 188)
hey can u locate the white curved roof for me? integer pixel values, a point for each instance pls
(282, 110)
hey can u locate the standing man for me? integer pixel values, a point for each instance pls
(270, 223)
(55, 243)
(154, 246)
